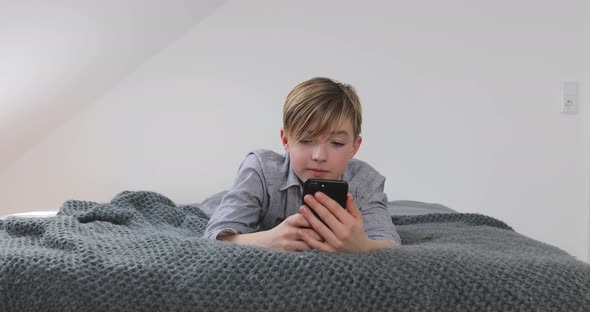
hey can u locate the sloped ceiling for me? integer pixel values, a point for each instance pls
(56, 57)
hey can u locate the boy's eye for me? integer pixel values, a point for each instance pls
(305, 141)
(337, 144)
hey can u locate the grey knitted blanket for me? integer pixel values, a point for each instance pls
(141, 252)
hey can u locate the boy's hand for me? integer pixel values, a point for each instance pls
(284, 236)
(343, 230)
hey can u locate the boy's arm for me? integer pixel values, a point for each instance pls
(240, 209)
(238, 215)
(376, 218)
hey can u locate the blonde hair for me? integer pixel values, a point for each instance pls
(319, 105)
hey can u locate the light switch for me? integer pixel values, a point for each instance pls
(569, 100)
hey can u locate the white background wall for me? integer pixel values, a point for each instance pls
(461, 107)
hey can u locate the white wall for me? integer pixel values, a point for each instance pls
(56, 57)
(461, 103)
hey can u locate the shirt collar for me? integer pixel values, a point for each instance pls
(290, 179)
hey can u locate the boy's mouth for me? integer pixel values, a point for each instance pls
(318, 172)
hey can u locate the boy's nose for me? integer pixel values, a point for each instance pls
(319, 153)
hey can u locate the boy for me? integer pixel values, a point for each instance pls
(321, 134)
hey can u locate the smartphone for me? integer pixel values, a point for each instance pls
(335, 189)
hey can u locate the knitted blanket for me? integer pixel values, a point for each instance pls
(141, 252)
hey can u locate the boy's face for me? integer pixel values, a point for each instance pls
(323, 157)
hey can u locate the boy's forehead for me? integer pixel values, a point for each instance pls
(319, 129)
(343, 129)
(339, 133)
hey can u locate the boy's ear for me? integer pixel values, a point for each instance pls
(284, 140)
(356, 145)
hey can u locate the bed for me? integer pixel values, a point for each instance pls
(142, 252)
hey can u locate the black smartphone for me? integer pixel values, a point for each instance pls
(335, 189)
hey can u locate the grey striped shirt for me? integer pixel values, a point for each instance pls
(266, 191)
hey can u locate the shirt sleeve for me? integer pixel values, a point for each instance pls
(376, 218)
(240, 209)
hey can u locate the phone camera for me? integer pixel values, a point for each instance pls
(322, 185)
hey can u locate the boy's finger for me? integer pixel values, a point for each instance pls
(298, 246)
(323, 212)
(320, 227)
(300, 221)
(315, 244)
(352, 208)
(313, 234)
(338, 211)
